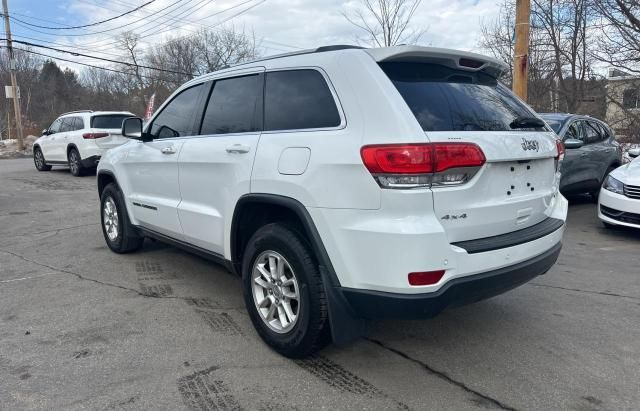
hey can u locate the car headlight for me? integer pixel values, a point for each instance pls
(613, 185)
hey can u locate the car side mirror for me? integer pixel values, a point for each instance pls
(132, 128)
(45, 132)
(634, 152)
(573, 143)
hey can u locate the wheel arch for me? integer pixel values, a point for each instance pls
(105, 177)
(72, 146)
(253, 211)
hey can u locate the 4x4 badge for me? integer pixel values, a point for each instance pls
(530, 145)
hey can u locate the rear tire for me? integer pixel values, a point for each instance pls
(298, 324)
(75, 164)
(39, 161)
(121, 236)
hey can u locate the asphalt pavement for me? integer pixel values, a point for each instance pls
(84, 328)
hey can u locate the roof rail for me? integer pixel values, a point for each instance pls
(301, 52)
(77, 111)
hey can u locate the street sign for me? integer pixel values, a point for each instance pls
(8, 91)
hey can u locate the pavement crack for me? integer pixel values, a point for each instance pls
(82, 277)
(608, 294)
(442, 375)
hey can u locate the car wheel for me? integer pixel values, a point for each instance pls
(38, 160)
(608, 225)
(75, 166)
(284, 293)
(121, 236)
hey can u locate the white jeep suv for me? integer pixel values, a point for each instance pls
(78, 139)
(345, 184)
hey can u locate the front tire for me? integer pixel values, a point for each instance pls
(284, 293)
(75, 164)
(121, 236)
(39, 161)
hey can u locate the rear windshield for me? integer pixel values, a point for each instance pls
(444, 99)
(108, 121)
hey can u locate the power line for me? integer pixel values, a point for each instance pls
(85, 25)
(83, 64)
(27, 43)
(93, 33)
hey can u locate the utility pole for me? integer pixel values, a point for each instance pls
(12, 69)
(521, 52)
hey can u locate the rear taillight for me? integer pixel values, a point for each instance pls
(422, 165)
(93, 136)
(559, 153)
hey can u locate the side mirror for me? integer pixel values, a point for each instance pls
(45, 132)
(132, 127)
(634, 152)
(573, 143)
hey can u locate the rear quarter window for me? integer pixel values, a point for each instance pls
(298, 99)
(444, 99)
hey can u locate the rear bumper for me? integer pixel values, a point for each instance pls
(90, 162)
(459, 291)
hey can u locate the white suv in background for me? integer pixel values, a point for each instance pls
(78, 139)
(345, 184)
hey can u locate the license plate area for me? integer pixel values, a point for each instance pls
(522, 177)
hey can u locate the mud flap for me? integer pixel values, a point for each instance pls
(346, 327)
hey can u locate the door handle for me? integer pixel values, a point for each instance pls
(238, 149)
(168, 150)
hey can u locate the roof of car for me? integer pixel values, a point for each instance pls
(95, 113)
(458, 59)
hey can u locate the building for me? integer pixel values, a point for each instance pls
(623, 104)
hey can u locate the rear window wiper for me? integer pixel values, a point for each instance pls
(527, 122)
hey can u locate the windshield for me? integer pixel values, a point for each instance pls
(109, 121)
(444, 99)
(556, 125)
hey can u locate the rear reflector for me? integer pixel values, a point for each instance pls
(93, 136)
(423, 164)
(426, 277)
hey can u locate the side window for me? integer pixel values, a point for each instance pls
(176, 119)
(233, 106)
(604, 131)
(55, 126)
(298, 99)
(79, 123)
(574, 131)
(592, 134)
(66, 124)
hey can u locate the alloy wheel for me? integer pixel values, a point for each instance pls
(39, 159)
(110, 218)
(275, 291)
(74, 162)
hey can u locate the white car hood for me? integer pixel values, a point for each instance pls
(628, 173)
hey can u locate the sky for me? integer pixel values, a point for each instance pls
(278, 25)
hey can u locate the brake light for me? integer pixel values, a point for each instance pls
(426, 277)
(422, 165)
(560, 153)
(93, 136)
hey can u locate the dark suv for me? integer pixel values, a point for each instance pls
(592, 151)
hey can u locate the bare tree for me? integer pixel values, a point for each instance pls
(386, 22)
(618, 46)
(560, 55)
(619, 37)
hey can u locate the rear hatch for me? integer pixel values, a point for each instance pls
(107, 129)
(515, 188)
